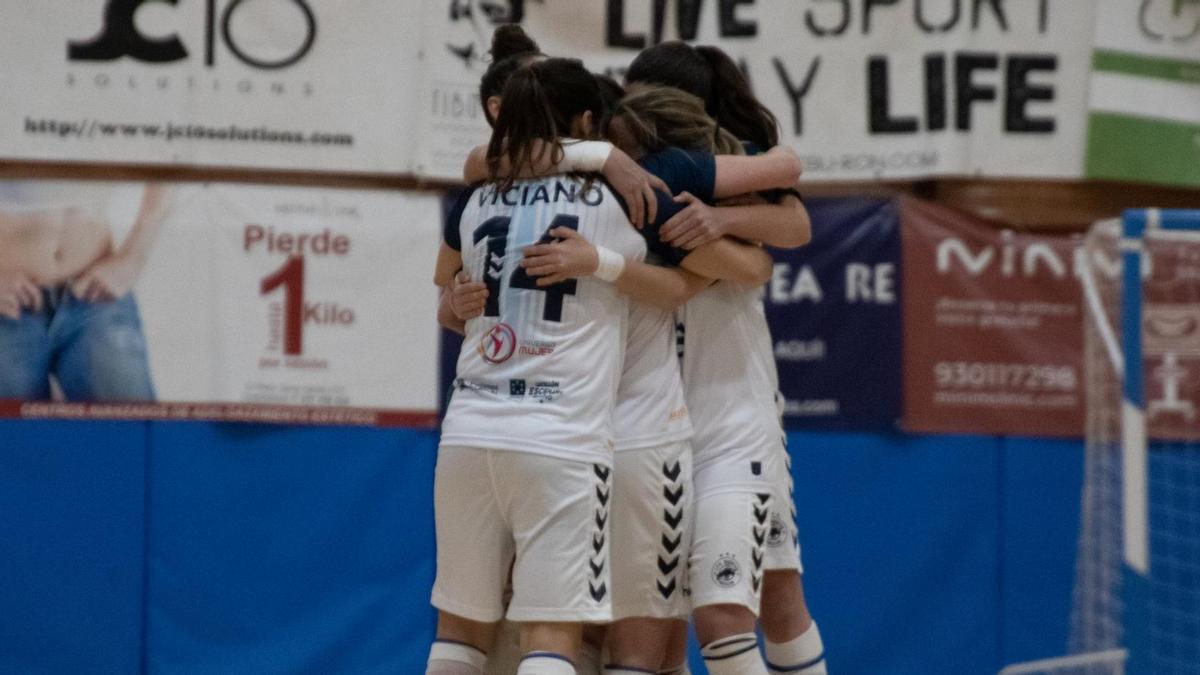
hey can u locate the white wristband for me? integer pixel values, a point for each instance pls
(585, 156)
(611, 265)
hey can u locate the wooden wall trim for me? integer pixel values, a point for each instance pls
(1032, 205)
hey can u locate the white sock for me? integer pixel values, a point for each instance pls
(454, 658)
(734, 655)
(545, 663)
(803, 655)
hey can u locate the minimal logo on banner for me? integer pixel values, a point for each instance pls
(498, 344)
(120, 36)
(480, 17)
(726, 571)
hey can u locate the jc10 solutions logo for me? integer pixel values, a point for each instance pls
(263, 35)
(120, 35)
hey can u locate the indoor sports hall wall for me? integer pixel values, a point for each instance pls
(202, 547)
(216, 548)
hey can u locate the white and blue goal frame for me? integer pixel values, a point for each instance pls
(1125, 355)
(1136, 227)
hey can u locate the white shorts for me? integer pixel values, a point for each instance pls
(783, 537)
(546, 517)
(744, 525)
(651, 531)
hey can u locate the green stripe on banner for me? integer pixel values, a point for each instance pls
(1145, 150)
(1123, 63)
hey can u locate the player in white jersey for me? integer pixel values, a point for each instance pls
(746, 543)
(633, 641)
(652, 490)
(525, 463)
(653, 524)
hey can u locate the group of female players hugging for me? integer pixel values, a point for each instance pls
(612, 461)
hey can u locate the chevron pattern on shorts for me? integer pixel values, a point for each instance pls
(670, 553)
(762, 511)
(597, 587)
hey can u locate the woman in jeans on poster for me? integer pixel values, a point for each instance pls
(66, 307)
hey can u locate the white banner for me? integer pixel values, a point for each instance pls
(863, 90)
(240, 295)
(1144, 122)
(286, 84)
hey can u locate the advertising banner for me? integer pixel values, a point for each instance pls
(1145, 98)
(1170, 327)
(834, 311)
(288, 84)
(217, 301)
(993, 327)
(862, 90)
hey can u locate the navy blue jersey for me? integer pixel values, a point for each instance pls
(682, 171)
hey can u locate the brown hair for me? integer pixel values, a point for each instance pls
(710, 74)
(511, 49)
(661, 117)
(541, 100)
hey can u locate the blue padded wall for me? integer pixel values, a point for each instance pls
(71, 537)
(899, 539)
(276, 550)
(310, 550)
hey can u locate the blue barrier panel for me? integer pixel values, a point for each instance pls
(1040, 510)
(71, 533)
(900, 541)
(285, 550)
(311, 550)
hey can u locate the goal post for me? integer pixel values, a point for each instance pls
(1136, 601)
(1143, 634)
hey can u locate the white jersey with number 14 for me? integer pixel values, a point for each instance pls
(538, 371)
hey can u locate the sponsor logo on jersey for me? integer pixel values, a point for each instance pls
(776, 535)
(544, 392)
(536, 348)
(516, 388)
(482, 387)
(498, 344)
(726, 572)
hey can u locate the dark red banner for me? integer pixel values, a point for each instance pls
(219, 412)
(992, 326)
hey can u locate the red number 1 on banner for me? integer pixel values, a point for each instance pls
(291, 277)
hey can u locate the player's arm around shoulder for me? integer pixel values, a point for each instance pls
(572, 257)
(731, 260)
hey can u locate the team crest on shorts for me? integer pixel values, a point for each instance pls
(778, 531)
(726, 571)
